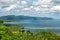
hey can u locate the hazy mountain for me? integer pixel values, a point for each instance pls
(13, 17)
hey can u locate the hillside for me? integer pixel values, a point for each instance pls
(17, 18)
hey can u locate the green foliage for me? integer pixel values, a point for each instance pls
(2, 29)
(17, 33)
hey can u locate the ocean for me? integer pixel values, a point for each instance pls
(37, 25)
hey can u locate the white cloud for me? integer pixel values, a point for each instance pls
(40, 2)
(56, 8)
(26, 9)
(11, 7)
(36, 8)
(43, 5)
(23, 2)
(6, 1)
(31, 6)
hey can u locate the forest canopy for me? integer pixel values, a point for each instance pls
(17, 33)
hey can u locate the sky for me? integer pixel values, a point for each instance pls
(36, 8)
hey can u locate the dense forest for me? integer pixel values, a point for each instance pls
(16, 32)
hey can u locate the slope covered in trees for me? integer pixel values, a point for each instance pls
(17, 33)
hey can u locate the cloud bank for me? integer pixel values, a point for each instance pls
(47, 8)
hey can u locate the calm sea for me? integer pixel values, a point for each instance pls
(37, 25)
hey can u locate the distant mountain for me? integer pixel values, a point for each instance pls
(18, 18)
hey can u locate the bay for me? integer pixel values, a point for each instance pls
(37, 25)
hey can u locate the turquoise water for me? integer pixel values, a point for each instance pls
(38, 24)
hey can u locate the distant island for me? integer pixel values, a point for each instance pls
(19, 18)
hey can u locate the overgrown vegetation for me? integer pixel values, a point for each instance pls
(17, 33)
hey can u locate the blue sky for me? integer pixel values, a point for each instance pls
(37, 8)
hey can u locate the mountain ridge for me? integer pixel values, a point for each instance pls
(13, 17)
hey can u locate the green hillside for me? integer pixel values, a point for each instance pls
(17, 33)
